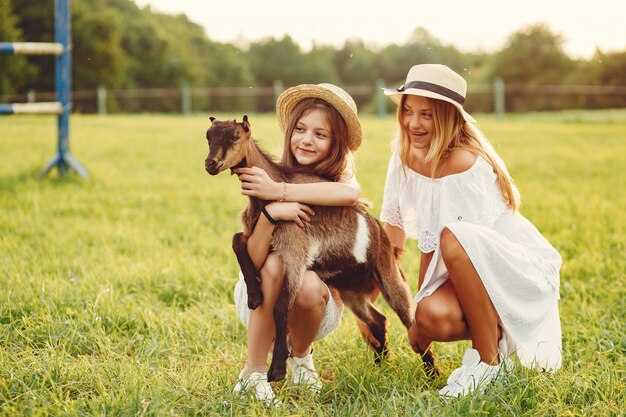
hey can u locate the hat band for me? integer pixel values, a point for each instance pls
(435, 88)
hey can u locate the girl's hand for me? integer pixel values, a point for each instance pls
(256, 183)
(290, 211)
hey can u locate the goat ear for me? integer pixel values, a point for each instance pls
(212, 119)
(246, 123)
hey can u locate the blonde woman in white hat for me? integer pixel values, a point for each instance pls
(486, 273)
(321, 131)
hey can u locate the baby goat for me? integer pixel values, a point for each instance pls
(345, 246)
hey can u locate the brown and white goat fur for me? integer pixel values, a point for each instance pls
(345, 246)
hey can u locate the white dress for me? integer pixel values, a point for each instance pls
(517, 265)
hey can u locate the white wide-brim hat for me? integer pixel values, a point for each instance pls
(433, 81)
(335, 96)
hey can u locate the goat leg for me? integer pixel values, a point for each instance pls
(250, 274)
(362, 307)
(278, 370)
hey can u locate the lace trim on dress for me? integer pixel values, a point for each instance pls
(429, 236)
(392, 216)
(428, 241)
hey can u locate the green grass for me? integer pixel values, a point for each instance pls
(116, 292)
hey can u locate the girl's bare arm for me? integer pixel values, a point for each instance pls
(256, 183)
(259, 241)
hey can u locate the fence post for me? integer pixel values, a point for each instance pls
(102, 100)
(30, 96)
(381, 100)
(185, 99)
(278, 89)
(498, 98)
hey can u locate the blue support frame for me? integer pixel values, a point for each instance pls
(63, 160)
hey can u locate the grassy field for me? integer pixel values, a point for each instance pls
(116, 292)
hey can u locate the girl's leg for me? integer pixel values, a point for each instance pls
(304, 321)
(306, 314)
(261, 321)
(480, 314)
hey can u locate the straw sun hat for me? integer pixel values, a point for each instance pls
(433, 81)
(330, 93)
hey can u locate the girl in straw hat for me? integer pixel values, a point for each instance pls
(486, 273)
(321, 131)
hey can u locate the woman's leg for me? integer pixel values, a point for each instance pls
(439, 317)
(306, 314)
(261, 321)
(480, 314)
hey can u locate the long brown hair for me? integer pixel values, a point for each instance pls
(339, 156)
(453, 132)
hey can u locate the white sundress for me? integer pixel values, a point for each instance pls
(517, 265)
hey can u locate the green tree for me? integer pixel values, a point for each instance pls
(14, 69)
(394, 61)
(532, 56)
(273, 59)
(355, 64)
(97, 54)
(605, 69)
(35, 21)
(318, 66)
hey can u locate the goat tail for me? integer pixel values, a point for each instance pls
(396, 292)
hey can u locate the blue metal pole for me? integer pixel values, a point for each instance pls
(7, 48)
(63, 83)
(63, 75)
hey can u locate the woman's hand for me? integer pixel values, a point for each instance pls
(256, 183)
(290, 211)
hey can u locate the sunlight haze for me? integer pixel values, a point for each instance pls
(482, 25)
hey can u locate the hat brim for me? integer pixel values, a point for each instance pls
(396, 96)
(289, 98)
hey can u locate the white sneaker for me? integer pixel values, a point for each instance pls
(257, 381)
(303, 373)
(472, 375)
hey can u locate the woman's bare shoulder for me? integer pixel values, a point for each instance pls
(459, 160)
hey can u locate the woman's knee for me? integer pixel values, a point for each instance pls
(449, 245)
(312, 292)
(434, 319)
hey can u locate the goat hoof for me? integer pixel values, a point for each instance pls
(431, 367)
(255, 300)
(380, 353)
(275, 374)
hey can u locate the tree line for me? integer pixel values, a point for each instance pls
(122, 46)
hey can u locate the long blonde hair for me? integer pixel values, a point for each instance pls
(453, 132)
(339, 157)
